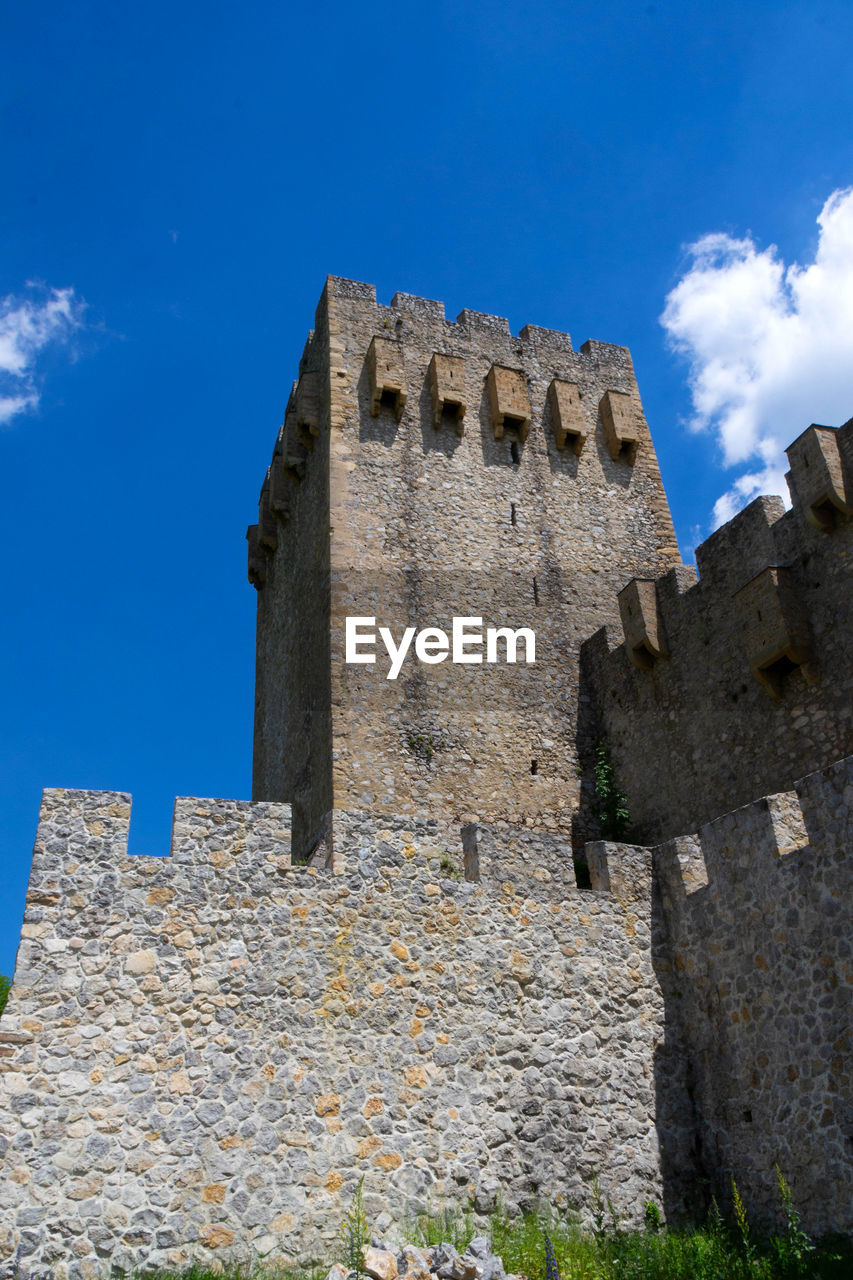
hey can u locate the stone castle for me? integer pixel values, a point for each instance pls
(410, 956)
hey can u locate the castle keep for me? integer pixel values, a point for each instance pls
(386, 964)
(427, 469)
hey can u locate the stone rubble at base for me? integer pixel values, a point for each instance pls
(384, 1259)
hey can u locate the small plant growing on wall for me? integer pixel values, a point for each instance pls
(611, 803)
(354, 1233)
(449, 868)
(794, 1248)
(652, 1217)
(421, 745)
(5, 988)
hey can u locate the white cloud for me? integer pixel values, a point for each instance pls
(770, 347)
(28, 325)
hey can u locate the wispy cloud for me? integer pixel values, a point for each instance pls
(29, 324)
(770, 346)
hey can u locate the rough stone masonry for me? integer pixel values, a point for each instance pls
(211, 1048)
(427, 469)
(203, 1053)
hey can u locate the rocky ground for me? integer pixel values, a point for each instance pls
(384, 1261)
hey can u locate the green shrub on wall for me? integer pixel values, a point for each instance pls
(611, 803)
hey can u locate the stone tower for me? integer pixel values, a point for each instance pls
(427, 470)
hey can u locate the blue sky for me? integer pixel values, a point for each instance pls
(187, 174)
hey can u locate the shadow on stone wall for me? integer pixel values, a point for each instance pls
(687, 1187)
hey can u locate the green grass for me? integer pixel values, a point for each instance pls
(712, 1252)
(265, 1269)
(715, 1251)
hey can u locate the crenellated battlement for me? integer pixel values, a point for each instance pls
(755, 654)
(240, 1041)
(729, 856)
(94, 825)
(417, 366)
(300, 1027)
(230, 846)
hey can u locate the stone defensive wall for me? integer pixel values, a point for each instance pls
(716, 691)
(428, 468)
(203, 1053)
(759, 920)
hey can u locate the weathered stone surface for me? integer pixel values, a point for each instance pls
(320, 1025)
(411, 525)
(479, 1247)
(757, 911)
(325, 1025)
(458, 1269)
(413, 1262)
(140, 962)
(380, 1264)
(693, 734)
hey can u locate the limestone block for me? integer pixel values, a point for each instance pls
(788, 823)
(566, 415)
(624, 870)
(509, 402)
(620, 418)
(472, 848)
(140, 962)
(387, 375)
(447, 389)
(775, 631)
(641, 623)
(380, 1264)
(817, 480)
(11, 1032)
(680, 864)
